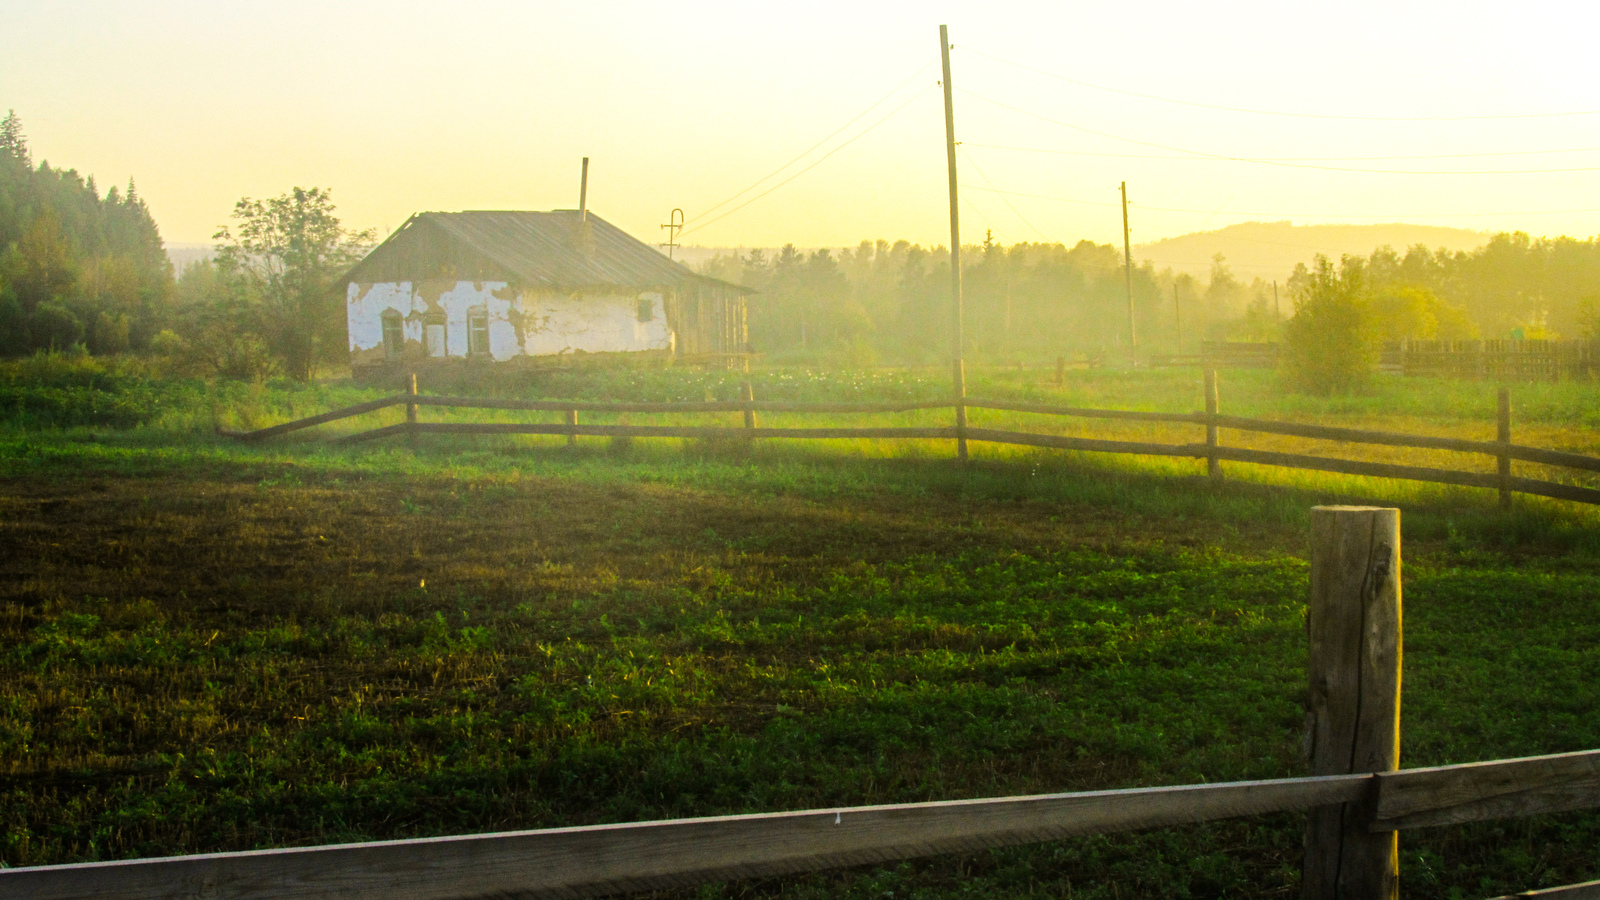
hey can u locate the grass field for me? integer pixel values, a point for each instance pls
(205, 646)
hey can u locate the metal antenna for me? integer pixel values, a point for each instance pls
(673, 226)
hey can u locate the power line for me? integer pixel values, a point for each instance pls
(820, 160)
(1270, 162)
(1284, 158)
(879, 102)
(1222, 212)
(1268, 112)
(972, 162)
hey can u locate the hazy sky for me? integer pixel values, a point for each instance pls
(400, 107)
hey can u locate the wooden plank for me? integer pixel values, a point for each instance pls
(1052, 410)
(674, 431)
(1557, 491)
(709, 406)
(1410, 473)
(1355, 435)
(1589, 890)
(604, 859)
(1447, 795)
(1353, 706)
(334, 416)
(1554, 457)
(385, 431)
(1062, 442)
(1355, 467)
(1396, 439)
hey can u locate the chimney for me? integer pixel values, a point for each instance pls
(583, 194)
(585, 234)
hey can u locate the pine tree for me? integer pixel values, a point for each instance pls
(12, 141)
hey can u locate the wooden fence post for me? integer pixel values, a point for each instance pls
(1503, 435)
(572, 422)
(411, 410)
(747, 393)
(961, 409)
(1353, 708)
(1213, 464)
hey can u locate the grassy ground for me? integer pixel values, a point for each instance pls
(207, 647)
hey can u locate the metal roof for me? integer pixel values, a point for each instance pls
(548, 248)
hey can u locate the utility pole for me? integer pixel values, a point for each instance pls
(1177, 316)
(955, 252)
(1276, 309)
(1127, 277)
(673, 226)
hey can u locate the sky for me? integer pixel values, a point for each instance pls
(403, 107)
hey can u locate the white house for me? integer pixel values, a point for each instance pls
(496, 285)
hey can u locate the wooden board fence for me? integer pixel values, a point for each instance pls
(597, 860)
(1212, 450)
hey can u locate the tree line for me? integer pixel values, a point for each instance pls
(82, 269)
(891, 301)
(76, 267)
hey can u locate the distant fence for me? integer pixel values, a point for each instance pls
(1491, 360)
(1212, 450)
(1526, 360)
(1357, 799)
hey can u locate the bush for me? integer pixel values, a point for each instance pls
(1331, 345)
(54, 327)
(66, 390)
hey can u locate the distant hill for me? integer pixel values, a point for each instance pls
(183, 255)
(1269, 250)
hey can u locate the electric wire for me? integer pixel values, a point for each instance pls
(1286, 158)
(1395, 216)
(979, 169)
(819, 161)
(859, 116)
(1269, 162)
(1268, 112)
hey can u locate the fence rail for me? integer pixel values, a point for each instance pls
(1211, 450)
(1357, 798)
(606, 859)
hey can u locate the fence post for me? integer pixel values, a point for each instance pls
(1213, 464)
(747, 393)
(961, 409)
(1353, 707)
(1061, 371)
(411, 410)
(1503, 435)
(572, 422)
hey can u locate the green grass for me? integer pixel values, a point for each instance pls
(205, 646)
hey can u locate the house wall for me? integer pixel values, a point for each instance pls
(593, 323)
(529, 323)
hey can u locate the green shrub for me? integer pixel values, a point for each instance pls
(1331, 344)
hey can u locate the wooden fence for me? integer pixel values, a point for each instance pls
(1501, 360)
(1494, 360)
(1357, 799)
(1212, 449)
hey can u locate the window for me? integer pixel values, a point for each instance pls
(647, 308)
(394, 333)
(434, 335)
(478, 331)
